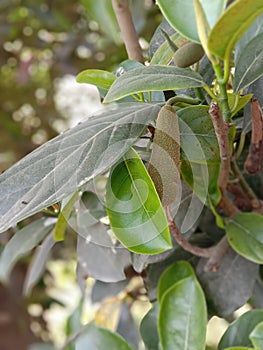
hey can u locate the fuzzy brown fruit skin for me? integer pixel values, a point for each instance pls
(164, 165)
(188, 54)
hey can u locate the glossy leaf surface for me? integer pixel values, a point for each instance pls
(232, 25)
(256, 336)
(100, 78)
(245, 235)
(181, 15)
(237, 334)
(134, 208)
(153, 78)
(182, 318)
(67, 162)
(148, 328)
(175, 273)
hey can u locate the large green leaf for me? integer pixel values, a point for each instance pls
(238, 332)
(100, 78)
(68, 161)
(256, 336)
(153, 78)
(22, 243)
(249, 64)
(175, 273)
(134, 208)
(181, 15)
(232, 25)
(97, 338)
(245, 235)
(182, 318)
(199, 152)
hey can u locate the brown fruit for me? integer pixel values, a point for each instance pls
(164, 166)
(188, 54)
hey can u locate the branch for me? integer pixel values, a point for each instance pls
(214, 254)
(221, 129)
(129, 35)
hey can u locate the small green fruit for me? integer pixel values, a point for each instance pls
(188, 54)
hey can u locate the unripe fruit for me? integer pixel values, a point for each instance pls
(188, 54)
(164, 166)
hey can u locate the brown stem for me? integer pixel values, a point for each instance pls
(129, 35)
(221, 129)
(214, 254)
(202, 252)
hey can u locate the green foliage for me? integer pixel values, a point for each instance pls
(134, 209)
(163, 157)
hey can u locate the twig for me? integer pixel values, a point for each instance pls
(214, 254)
(221, 129)
(202, 252)
(129, 35)
(245, 186)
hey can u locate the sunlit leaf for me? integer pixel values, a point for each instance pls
(22, 243)
(181, 15)
(244, 233)
(134, 208)
(249, 64)
(237, 334)
(67, 162)
(100, 78)
(153, 78)
(232, 25)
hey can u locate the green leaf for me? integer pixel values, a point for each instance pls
(100, 78)
(70, 160)
(164, 53)
(182, 318)
(203, 27)
(256, 336)
(175, 273)
(38, 263)
(153, 78)
(102, 12)
(134, 208)
(97, 338)
(22, 243)
(67, 207)
(148, 328)
(237, 334)
(249, 64)
(245, 235)
(232, 25)
(199, 152)
(237, 102)
(181, 15)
